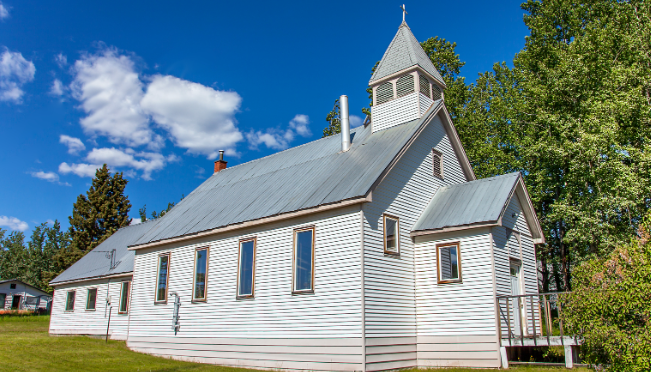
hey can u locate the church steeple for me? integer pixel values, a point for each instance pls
(405, 82)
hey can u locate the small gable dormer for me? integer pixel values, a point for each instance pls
(405, 82)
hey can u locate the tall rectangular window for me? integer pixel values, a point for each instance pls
(162, 277)
(449, 262)
(70, 301)
(124, 297)
(3, 299)
(200, 274)
(246, 271)
(91, 299)
(391, 235)
(304, 260)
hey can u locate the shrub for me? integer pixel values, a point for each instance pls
(611, 306)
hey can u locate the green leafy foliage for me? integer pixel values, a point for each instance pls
(154, 215)
(33, 262)
(334, 121)
(611, 306)
(95, 216)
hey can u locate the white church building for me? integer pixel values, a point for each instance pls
(371, 250)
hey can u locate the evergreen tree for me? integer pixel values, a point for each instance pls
(96, 216)
(12, 255)
(334, 121)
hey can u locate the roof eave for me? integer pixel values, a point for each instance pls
(520, 189)
(256, 222)
(374, 81)
(98, 277)
(447, 229)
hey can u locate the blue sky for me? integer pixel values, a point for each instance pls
(156, 88)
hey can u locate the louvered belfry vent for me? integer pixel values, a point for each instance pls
(384, 93)
(405, 85)
(424, 86)
(437, 163)
(437, 92)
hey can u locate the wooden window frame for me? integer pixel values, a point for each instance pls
(438, 263)
(296, 231)
(239, 267)
(88, 297)
(3, 303)
(167, 278)
(126, 311)
(384, 234)
(194, 275)
(438, 153)
(74, 292)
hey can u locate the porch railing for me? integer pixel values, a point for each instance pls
(533, 320)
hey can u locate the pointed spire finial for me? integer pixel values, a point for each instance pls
(404, 12)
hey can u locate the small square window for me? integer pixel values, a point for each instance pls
(92, 299)
(391, 235)
(12, 286)
(449, 263)
(70, 301)
(437, 163)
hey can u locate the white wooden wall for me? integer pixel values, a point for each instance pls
(320, 331)
(508, 247)
(424, 102)
(389, 280)
(395, 112)
(456, 321)
(89, 322)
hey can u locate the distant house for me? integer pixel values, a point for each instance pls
(373, 250)
(18, 295)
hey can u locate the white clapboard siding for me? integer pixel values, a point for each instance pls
(276, 329)
(513, 241)
(389, 280)
(89, 322)
(456, 321)
(395, 112)
(424, 103)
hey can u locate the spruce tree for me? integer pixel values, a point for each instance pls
(96, 216)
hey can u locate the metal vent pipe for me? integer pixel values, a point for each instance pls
(345, 123)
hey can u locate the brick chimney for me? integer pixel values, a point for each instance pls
(220, 164)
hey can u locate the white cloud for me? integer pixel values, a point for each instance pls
(61, 60)
(4, 12)
(15, 71)
(198, 118)
(300, 125)
(279, 139)
(75, 146)
(355, 121)
(50, 222)
(48, 176)
(135, 221)
(81, 170)
(13, 223)
(110, 92)
(57, 88)
(146, 162)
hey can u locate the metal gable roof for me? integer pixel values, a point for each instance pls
(470, 203)
(95, 264)
(314, 174)
(404, 52)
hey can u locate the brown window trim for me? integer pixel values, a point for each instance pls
(96, 293)
(296, 231)
(194, 274)
(128, 297)
(384, 234)
(167, 278)
(238, 296)
(438, 264)
(73, 301)
(436, 152)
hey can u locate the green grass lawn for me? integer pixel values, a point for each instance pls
(26, 346)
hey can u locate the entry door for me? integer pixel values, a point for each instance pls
(516, 311)
(15, 303)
